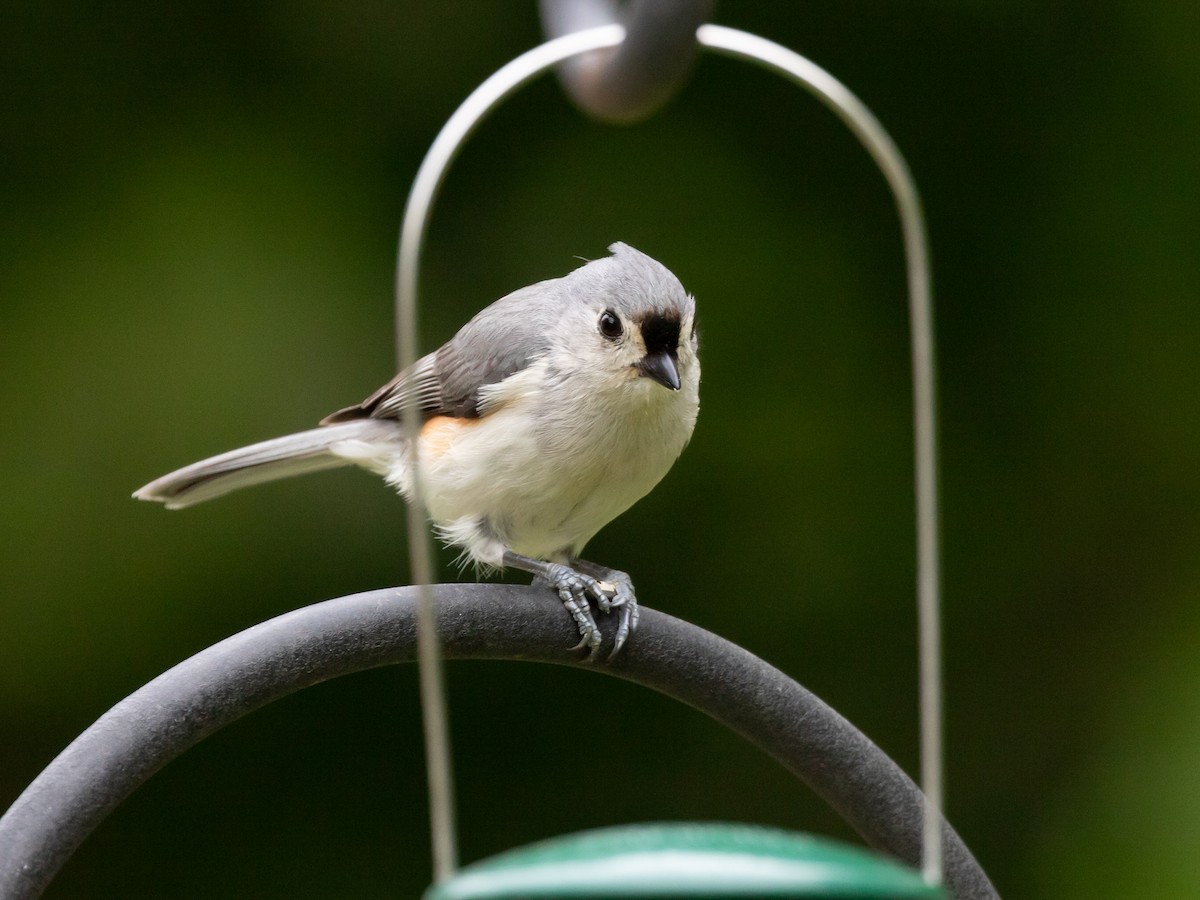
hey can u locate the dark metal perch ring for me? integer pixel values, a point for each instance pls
(217, 686)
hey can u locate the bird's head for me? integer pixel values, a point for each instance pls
(642, 322)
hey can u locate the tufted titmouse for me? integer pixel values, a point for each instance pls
(549, 414)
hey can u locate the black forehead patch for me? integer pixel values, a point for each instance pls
(660, 331)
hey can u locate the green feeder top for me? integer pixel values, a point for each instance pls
(685, 860)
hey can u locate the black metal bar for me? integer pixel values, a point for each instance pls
(217, 686)
(632, 80)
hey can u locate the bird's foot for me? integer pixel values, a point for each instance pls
(617, 594)
(577, 585)
(574, 590)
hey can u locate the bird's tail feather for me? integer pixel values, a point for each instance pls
(293, 454)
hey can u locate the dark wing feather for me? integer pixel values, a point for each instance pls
(418, 381)
(500, 341)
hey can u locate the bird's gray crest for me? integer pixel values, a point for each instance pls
(631, 283)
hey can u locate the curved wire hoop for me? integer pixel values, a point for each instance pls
(791, 65)
(883, 150)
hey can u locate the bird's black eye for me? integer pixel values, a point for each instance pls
(610, 325)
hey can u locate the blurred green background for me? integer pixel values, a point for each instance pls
(199, 209)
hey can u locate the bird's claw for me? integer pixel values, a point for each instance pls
(615, 592)
(621, 599)
(573, 589)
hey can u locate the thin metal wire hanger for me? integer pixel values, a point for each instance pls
(875, 139)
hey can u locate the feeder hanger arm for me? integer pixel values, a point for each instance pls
(631, 81)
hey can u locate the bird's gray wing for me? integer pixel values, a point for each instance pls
(418, 383)
(501, 340)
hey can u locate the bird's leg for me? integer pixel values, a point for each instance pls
(619, 596)
(573, 589)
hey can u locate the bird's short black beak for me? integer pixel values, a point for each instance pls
(660, 365)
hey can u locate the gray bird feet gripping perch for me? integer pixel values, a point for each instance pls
(579, 582)
(619, 596)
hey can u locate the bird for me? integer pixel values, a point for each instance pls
(547, 415)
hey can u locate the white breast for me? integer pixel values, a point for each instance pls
(543, 473)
